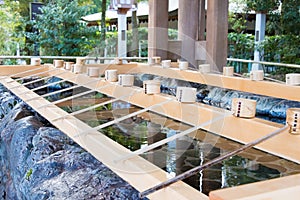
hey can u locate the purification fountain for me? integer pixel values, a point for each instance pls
(141, 134)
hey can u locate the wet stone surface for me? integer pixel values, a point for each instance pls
(39, 162)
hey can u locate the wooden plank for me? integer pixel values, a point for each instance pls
(8, 70)
(238, 129)
(82, 101)
(276, 189)
(266, 88)
(132, 170)
(242, 130)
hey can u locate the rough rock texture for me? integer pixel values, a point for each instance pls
(38, 162)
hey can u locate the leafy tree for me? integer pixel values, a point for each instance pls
(92, 6)
(60, 32)
(290, 17)
(285, 22)
(282, 48)
(262, 6)
(10, 27)
(240, 45)
(237, 22)
(284, 27)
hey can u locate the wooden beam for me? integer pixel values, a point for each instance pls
(238, 129)
(276, 189)
(22, 70)
(266, 88)
(135, 169)
(132, 171)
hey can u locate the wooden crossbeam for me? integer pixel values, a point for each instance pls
(169, 139)
(66, 89)
(136, 168)
(267, 88)
(132, 171)
(233, 128)
(121, 118)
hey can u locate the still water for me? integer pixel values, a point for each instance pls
(176, 156)
(186, 152)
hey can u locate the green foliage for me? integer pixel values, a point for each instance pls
(240, 45)
(287, 21)
(173, 34)
(99, 95)
(273, 25)
(237, 172)
(282, 48)
(283, 27)
(10, 28)
(290, 17)
(133, 141)
(262, 6)
(60, 32)
(28, 174)
(110, 43)
(92, 6)
(142, 34)
(238, 23)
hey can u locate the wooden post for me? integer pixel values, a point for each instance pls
(188, 16)
(158, 28)
(217, 30)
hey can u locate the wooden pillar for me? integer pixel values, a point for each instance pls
(188, 22)
(202, 20)
(158, 28)
(217, 30)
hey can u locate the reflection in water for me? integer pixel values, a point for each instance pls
(186, 152)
